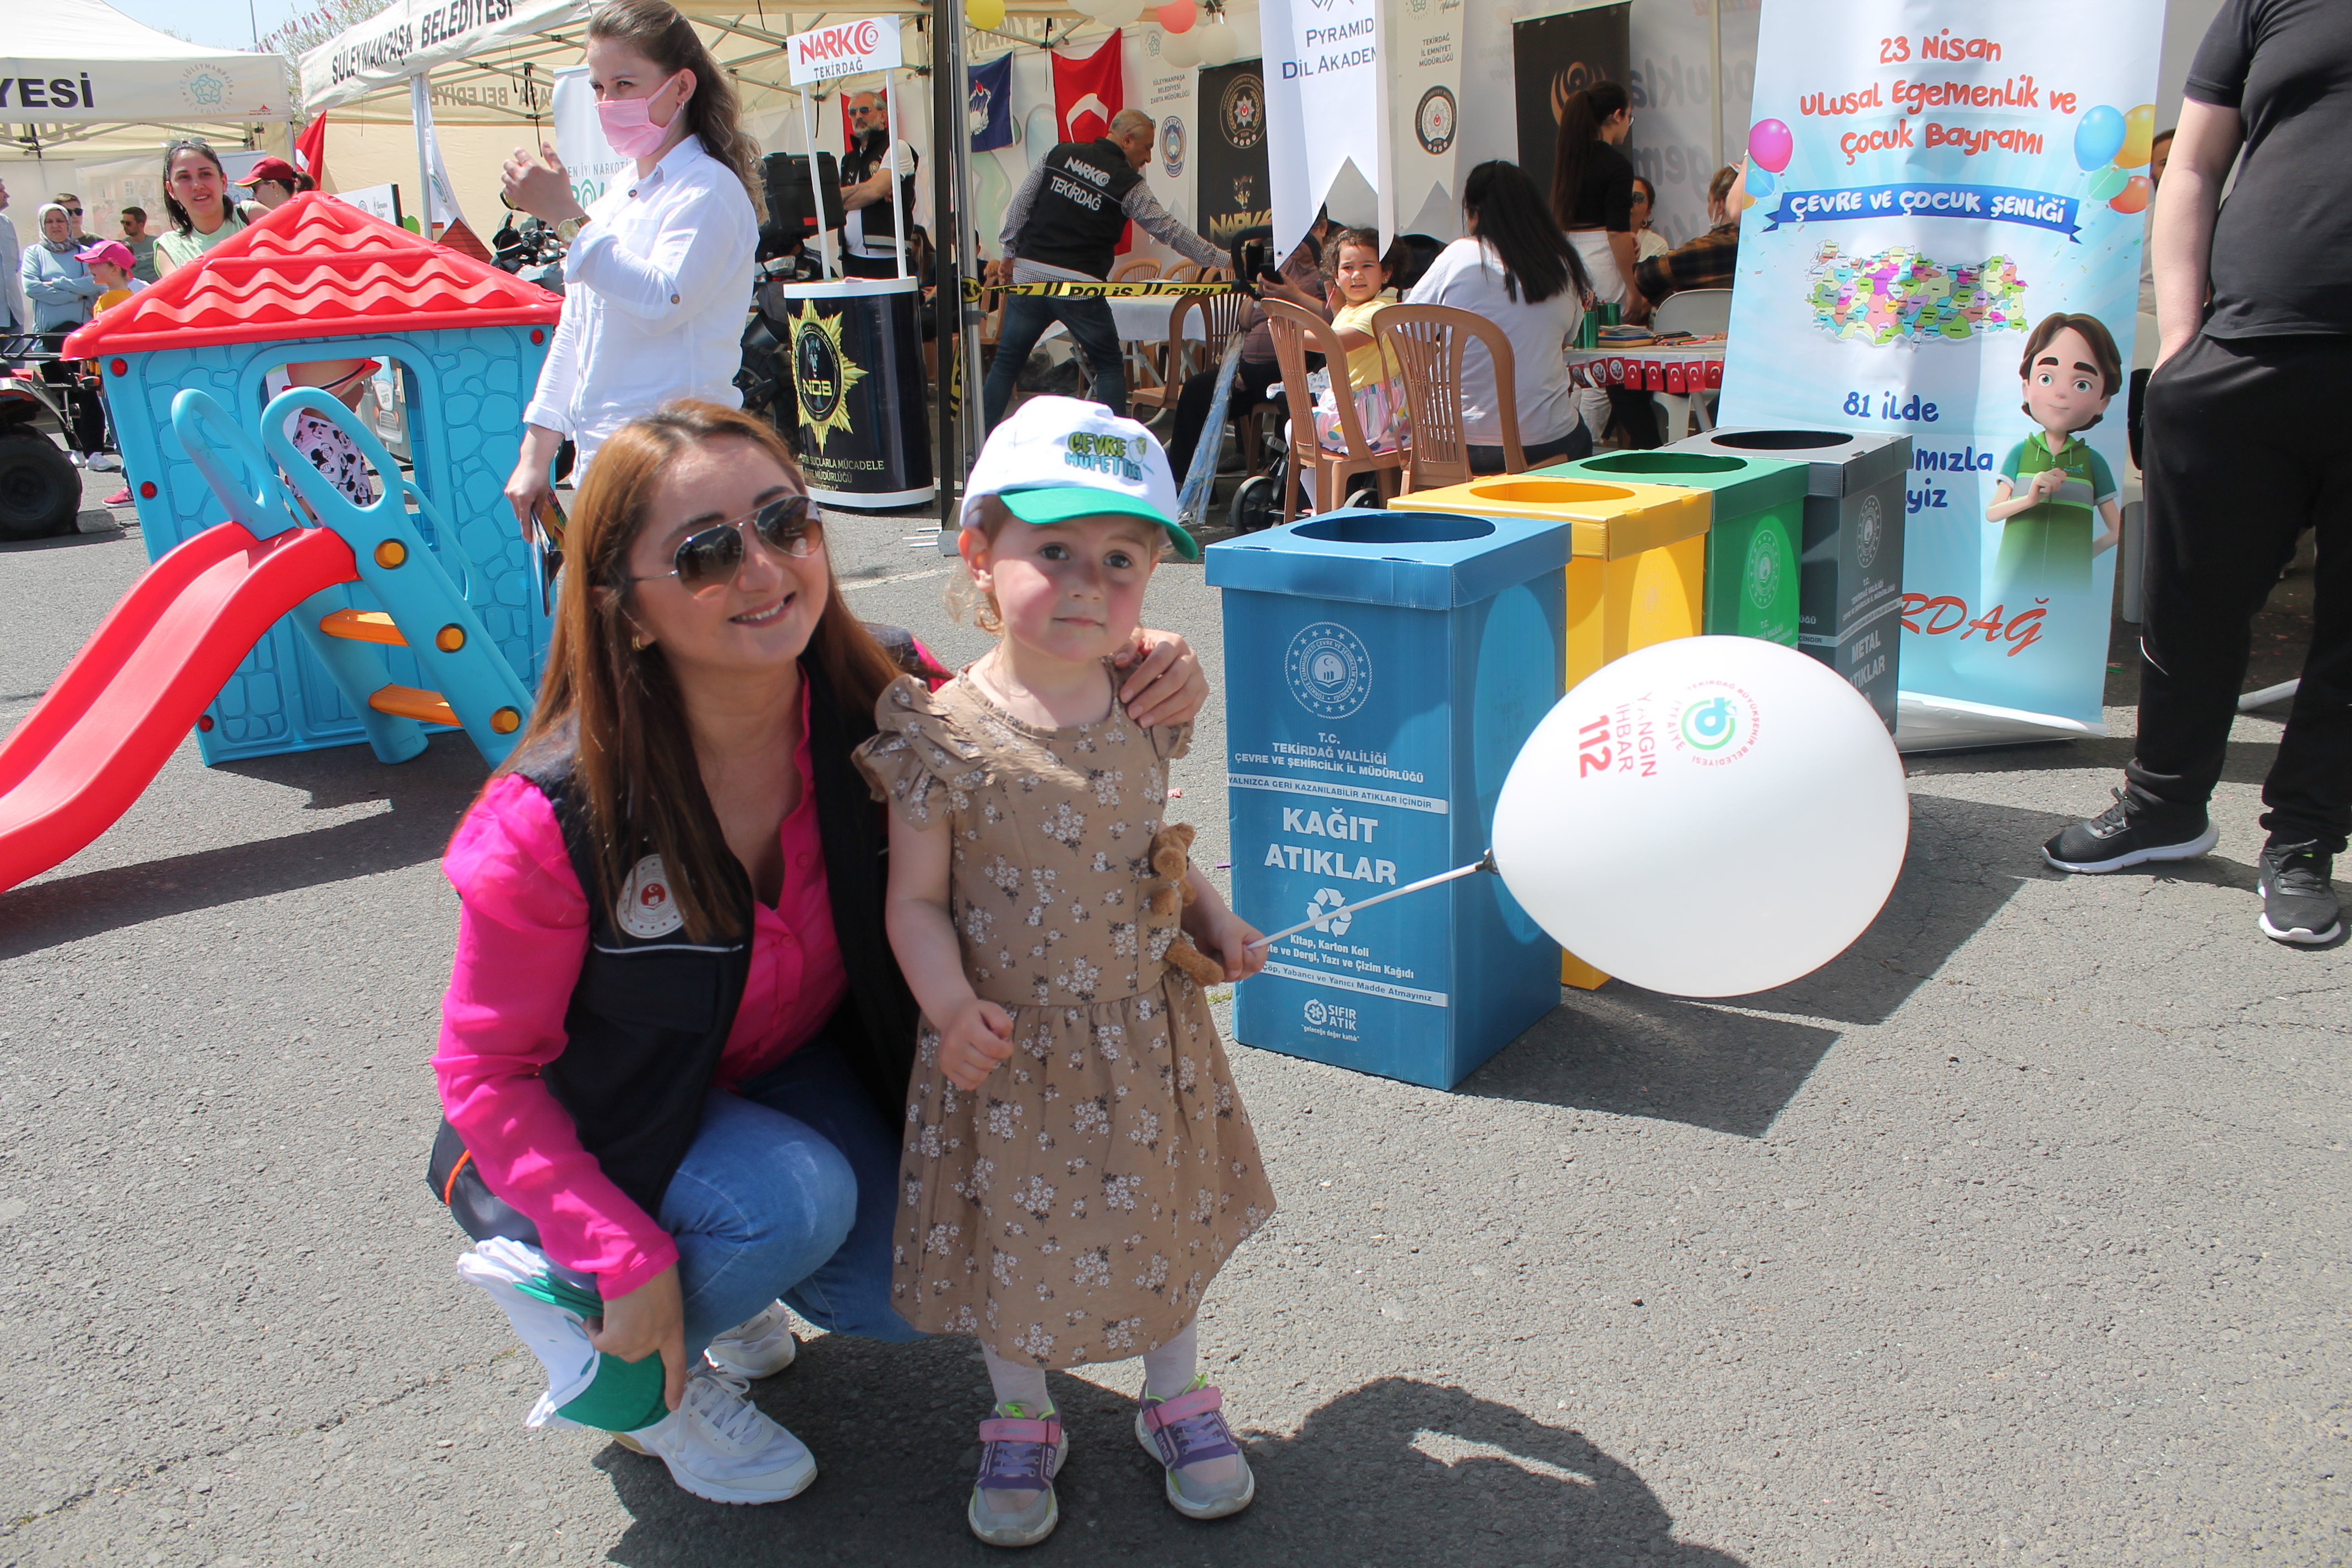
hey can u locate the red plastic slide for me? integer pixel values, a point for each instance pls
(100, 735)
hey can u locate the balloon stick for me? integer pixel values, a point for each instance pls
(1483, 863)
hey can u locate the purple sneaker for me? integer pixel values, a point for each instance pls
(1207, 1476)
(1012, 1502)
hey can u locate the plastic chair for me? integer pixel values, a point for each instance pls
(1427, 342)
(1297, 332)
(1181, 355)
(1702, 312)
(1135, 269)
(1183, 272)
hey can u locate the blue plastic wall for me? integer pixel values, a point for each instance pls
(1368, 745)
(466, 394)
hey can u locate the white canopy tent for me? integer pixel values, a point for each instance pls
(79, 75)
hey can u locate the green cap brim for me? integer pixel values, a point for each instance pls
(1060, 504)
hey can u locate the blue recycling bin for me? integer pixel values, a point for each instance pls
(1383, 670)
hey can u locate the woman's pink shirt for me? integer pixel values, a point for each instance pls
(522, 933)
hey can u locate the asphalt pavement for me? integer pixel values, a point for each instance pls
(2016, 1234)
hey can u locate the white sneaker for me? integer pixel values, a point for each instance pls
(104, 463)
(719, 1446)
(762, 1347)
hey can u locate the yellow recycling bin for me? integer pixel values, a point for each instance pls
(1638, 576)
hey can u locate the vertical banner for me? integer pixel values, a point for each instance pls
(440, 195)
(1932, 182)
(988, 104)
(1232, 191)
(1422, 51)
(1553, 58)
(1165, 93)
(1323, 85)
(579, 142)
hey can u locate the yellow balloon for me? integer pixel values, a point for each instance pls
(987, 13)
(2139, 136)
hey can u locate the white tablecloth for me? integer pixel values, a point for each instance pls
(1141, 318)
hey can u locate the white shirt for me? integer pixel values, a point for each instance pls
(14, 311)
(1468, 275)
(656, 292)
(854, 241)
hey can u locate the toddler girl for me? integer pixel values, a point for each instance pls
(1359, 291)
(1078, 1164)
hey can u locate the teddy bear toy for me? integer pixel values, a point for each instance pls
(1167, 895)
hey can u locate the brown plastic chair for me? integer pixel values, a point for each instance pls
(1135, 269)
(1299, 331)
(1427, 342)
(1183, 355)
(1182, 272)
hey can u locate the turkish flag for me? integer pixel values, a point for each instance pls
(310, 151)
(1086, 93)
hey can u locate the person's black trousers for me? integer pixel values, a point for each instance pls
(1251, 378)
(2246, 448)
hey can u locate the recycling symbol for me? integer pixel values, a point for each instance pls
(1322, 904)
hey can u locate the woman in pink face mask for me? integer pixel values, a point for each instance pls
(659, 270)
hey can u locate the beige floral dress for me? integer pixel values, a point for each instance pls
(1074, 1208)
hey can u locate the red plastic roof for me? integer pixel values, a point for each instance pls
(315, 268)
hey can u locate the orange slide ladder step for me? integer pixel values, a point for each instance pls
(362, 625)
(412, 703)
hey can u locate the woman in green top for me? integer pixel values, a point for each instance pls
(2052, 483)
(195, 193)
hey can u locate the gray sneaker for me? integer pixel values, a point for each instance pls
(761, 1347)
(1012, 1502)
(2298, 902)
(1208, 1478)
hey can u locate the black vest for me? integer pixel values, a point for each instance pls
(649, 1016)
(1078, 216)
(877, 219)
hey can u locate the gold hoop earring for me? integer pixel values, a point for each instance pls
(636, 642)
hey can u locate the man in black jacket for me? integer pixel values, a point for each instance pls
(1064, 225)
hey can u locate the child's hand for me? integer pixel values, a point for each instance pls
(1227, 937)
(976, 1038)
(2046, 483)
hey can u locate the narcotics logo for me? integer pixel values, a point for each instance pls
(1112, 455)
(1330, 671)
(1763, 571)
(1870, 533)
(1435, 121)
(1171, 146)
(822, 373)
(1242, 111)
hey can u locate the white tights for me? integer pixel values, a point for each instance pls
(1166, 1371)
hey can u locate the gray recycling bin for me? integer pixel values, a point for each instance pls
(1383, 670)
(1850, 566)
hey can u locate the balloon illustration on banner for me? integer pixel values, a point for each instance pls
(2134, 197)
(1759, 183)
(2140, 137)
(1723, 763)
(1770, 144)
(983, 15)
(2107, 183)
(2099, 137)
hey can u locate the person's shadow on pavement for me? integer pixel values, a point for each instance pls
(1397, 1471)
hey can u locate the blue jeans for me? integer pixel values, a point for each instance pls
(1027, 317)
(788, 1190)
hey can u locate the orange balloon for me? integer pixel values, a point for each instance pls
(2135, 195)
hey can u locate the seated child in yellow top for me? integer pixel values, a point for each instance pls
(1359, 291)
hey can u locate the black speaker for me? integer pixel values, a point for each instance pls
(795, 211)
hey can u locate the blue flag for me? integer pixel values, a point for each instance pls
(989, 107)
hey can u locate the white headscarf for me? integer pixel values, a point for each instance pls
(41, 221)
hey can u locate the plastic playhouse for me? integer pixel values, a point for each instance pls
(288, 627)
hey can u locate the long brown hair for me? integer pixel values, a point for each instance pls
(1579, 128)
(657, 30)
(619, 705)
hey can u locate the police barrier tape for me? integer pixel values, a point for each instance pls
(974, 289)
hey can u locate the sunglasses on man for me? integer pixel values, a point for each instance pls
(708, 559)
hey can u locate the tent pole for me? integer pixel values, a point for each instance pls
(824, 234)
(897, 194)
(958, 324)
(1715, 47)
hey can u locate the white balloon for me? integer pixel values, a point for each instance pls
(1181, 50)
(1117, 13)
(1085, 7)
(1220, 45)
(1247, 37)
(1708, 816)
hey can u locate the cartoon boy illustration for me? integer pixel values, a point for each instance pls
(2069, 371)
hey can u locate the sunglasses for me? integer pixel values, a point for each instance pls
(710, 558)
(73, 212)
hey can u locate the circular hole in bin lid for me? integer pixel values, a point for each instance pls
(1784, 440)
(1394, 528)
(1547, 493)
(1664, 463)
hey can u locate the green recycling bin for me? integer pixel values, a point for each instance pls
(1751, 546)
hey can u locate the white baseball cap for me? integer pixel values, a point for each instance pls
(1060, 457)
